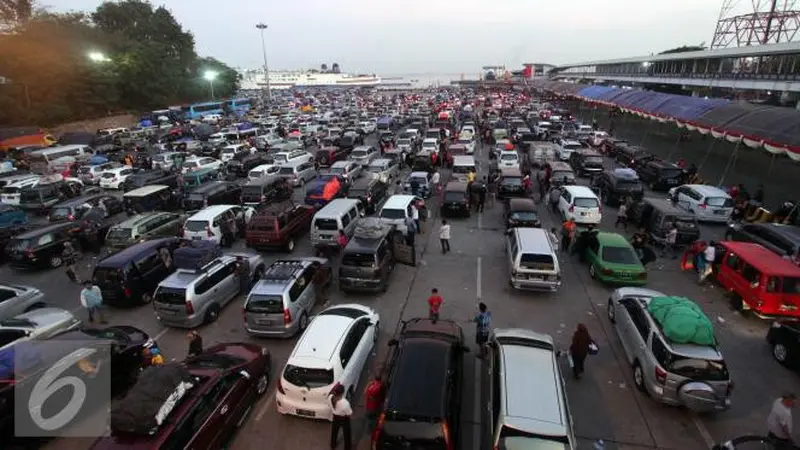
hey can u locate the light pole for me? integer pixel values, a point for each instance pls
(210, 75)
(261, 27)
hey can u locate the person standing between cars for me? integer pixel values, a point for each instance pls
(434, 305)
(373, 399)
(579, 349)
(436, 180)
(411, 230)
(483, 324)
(481, 188)
(444, 236)
(639, 241)
(195, 343)
(92, 301)
(227, 234)
(341, 417)
(671, 240)
(341, 239)
(69, 256)
(243, 273)
(622, 217)
(568, 230)
(779, 422)
(491, 186)
(709, 255)
(415, 216)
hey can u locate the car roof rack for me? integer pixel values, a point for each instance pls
(283, 270)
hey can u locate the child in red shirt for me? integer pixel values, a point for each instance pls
(434, 305)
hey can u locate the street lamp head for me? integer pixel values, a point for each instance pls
(261, 26)
(97, 57)
(210, 75)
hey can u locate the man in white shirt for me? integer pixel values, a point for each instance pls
(779, 422)
(435, 179)
(709, 255)
(415, 217)
(444, 236)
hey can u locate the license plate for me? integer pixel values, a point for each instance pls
(719, 212)
(584, 214)
(195, 238)
(264, 322)
(305, 413)
(672, 181)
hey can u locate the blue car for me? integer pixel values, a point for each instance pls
(11, 216)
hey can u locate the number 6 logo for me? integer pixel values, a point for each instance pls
(50, 383)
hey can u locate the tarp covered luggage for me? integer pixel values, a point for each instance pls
(149, 402)
(196, 255)
(371, 228)
(682, 320)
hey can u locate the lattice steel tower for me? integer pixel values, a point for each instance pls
(766, 22)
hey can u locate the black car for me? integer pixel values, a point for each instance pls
(76, 208)
(423, 407)
(641, 158)
(660, 175)
(626, 156)
(148, 177)
(243, 163)
(616, 185)
(372, 193)
(521, 213)
(586, 162)
(213, 193)
(346, 143)
(41, 247)
(784, 338)
(781, 239)
(510, 184)
(611, 146)
(455, 200)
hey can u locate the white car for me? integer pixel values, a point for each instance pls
(349, 170)
(468, 129)
(580, 204)
(363, 155)
(469, 144)
(263, 170)
(229, 151)
(212, 118)
(707, 203)
(292, 156)
(197, 163)
(368, 127)
(113, 178)
(566, 148)
(508, 158)
(430, 145)
(333, 350)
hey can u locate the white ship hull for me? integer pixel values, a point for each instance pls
(254, 80)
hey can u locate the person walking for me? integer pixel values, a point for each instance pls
(341, 417)
(92, 301)
(568, 229)
(415, 216)
(411, 230)
(622, 217)
(483, 323)
(708, 257)
(436, 181)
(444, 236)
(243, 274)
(195, 343)
(579, 349)
(639, 242)
(492, 188)
(670, 241)
(373, 399)
(69, 256)
(779, 422)
(434, 305)
(341, 240)
(481, 188)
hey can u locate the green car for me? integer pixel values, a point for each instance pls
(199, 177)
(143, 227)
(612, 260)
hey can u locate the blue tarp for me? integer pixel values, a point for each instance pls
(688, 108)
(595, 91)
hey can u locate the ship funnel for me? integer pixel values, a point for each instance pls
(324, 67)
(335, 68)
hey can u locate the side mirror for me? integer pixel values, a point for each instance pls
(392, 343)
(245, 374)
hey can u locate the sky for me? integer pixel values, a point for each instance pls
(433, 37)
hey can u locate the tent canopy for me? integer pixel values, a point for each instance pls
(771, 124)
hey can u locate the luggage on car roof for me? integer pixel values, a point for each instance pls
(196, 254)
(682, 321)
(370, 228)
(149, 402)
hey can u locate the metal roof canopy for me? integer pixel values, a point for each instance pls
(736, 52)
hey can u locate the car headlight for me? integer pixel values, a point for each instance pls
(149, 343)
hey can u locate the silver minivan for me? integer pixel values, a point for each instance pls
(298, 173)
(528, 396)
(383, 169)
(281, 302)
(532, 259)
(694, 376)
(339, 214)
(190, 298)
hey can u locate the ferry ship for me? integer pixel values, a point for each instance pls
(254, 79)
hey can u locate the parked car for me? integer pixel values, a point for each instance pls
(114, 178)
(781, 239)
(39, 323)
(18, 299)
(784, 339)
(150, 177)
(707, 203)
(278, 225)
(143, 227)
(611, 259)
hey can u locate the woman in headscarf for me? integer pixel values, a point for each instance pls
(581, 341)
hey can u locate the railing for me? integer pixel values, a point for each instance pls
(705, 76)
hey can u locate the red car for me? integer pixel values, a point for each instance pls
(214, 392)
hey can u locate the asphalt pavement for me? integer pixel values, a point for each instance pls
(604, 404)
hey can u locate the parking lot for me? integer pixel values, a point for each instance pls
(604, 404)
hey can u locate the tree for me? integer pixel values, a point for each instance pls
(685, 48)
(15, 11)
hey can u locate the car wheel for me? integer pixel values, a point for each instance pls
(56, 261)
(303, 323)
(592, 272)
(35, 306)
(290, 245)
(261, 384)
(610, 311)
(638, 377)
(147, 298)
(212, 314)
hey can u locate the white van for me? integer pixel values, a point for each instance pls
(532, 259)
(462, 165)
(581, 204)
(205, 224)
(263, 170)
(528, 393)
(339, 214)
(395, 210)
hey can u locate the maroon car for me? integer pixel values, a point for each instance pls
(214, 390)
(326, 156)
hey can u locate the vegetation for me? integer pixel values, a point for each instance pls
(125, 56)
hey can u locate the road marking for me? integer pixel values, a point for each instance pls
(480, 221)
(160, 334)
(267, 404)
(479, 287)
(703, 431)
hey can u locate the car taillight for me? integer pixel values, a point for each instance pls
(661, 375)
(71, 217)
(209, 232)
(127, 292)
(29, 253)
(263, 198)
(287, 317)
(572, 208)
(376, 432)
(280, 386)
(606, 271)
(189, 308)
(729, 391)
(448, 441)
(702, 206)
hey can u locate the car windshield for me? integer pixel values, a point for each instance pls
(530, 443)
(586, 202)
(287, 170)
(19, 245)
(404, 142)
(391, 213)
(119, 234)
(307, 377)
(524, 216)
(671, 173)
(281, 158)
(619, 255)
(359, 153)
(326, 224)
(559, 175)
(196, 225)
(509, 157)
(594, 160)
(338, 170)
(63, 213)
(170, 295)
(629, 185)
(535, 261)
(697, 369)
(719, 202)
(358, 259)
(265, 304)
(512, 181)
(190, 164)
(453, 196)
(464, 141)
(375, 169)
